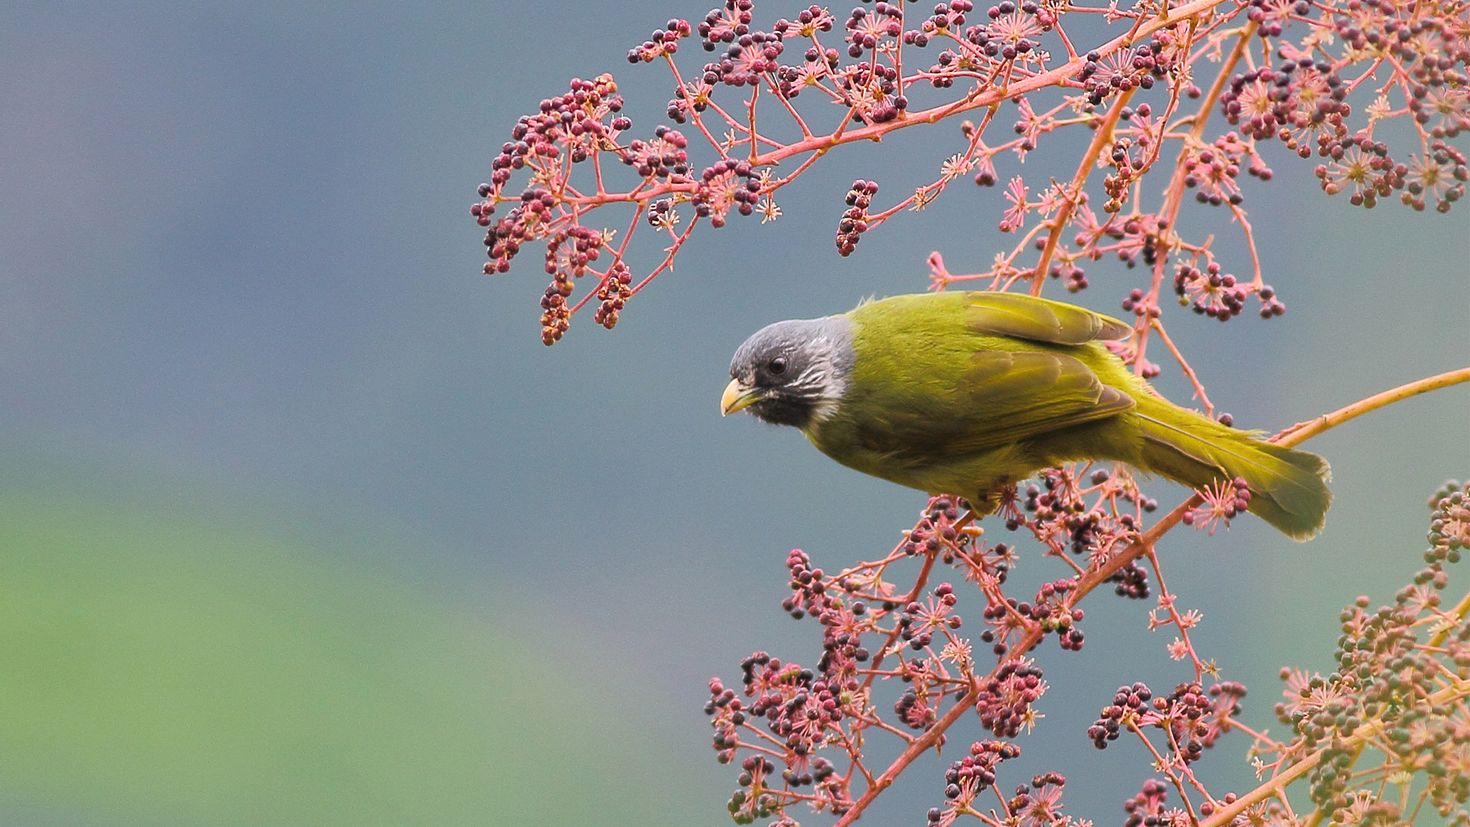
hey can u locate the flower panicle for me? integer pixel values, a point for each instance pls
(757, 106)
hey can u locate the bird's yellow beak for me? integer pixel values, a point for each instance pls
(737, 397)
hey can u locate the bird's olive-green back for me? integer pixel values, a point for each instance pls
(944, 374)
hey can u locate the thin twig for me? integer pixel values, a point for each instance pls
(1291, 436)
(1360, 737)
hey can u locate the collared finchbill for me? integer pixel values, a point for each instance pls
(738, 397)
(964, 393)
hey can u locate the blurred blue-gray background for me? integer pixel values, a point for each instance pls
(301, 524)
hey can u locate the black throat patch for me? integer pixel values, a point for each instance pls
(785, 409)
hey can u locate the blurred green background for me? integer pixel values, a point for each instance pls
(300, 524)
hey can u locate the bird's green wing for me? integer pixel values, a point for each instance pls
(1014, 395)
(1038, 319)
(1016, 368)
(1019, 394)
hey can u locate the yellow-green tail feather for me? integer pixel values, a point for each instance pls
(1288, 487)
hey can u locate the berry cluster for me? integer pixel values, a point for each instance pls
(1102, 76)
(568, 253)
(1387, 700)
(726, 23)
(1433, 48)
(1438, 176)
(1449, 525)
(1209, 292)
(1054, 615)
(935, 529)
(865, 29)
(1212, 172)
(855, 220)
(798, 705)
(613, 294)
(575, 120)
(809, 21)
(752, 801)
(818, 64)
(1039, 802)
(947, 18)
(1192, 718)
(1129, 704)
(556, 315)
(747, 61)
(665, 156)
(725, 186)
(914, 709)
(1147, 808)
(1362, 168)
(1331, 75)
(1057, 512)
(1133, 150)
(918, 622)
(1134, 240)
(662, 43)
(844, 621)
(808, 586)
(968, 777)
(1010, 618)
(1297, 102)
(1182, 714)
(1219, 504)
(727, 714)
(1013, 32)
(661, 214)
(1131, 581)
(1004, 700)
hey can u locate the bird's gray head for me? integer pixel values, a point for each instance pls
(792, 373)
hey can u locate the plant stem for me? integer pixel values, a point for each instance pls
(1073, 194)
(1294, 435)
(1359, 739)
(1306, 430)
(1291, 436)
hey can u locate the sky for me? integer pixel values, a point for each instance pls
(240, 290)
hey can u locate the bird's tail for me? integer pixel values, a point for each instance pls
(1288, 487)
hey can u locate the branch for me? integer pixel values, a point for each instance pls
(1294, 435)
(1359, 739)
(1303, 431)
(1073, 195)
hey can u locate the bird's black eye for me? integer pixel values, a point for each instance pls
(777, 365)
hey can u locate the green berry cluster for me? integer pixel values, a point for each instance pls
(1397, 697)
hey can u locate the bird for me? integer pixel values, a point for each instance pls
(968, 393)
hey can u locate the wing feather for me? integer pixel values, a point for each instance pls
(1004, 397)
(1009, 369)
(1039, 320)
(1019, 394)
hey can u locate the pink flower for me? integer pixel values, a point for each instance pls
(1015, 215)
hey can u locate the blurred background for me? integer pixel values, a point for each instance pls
(301, 524)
